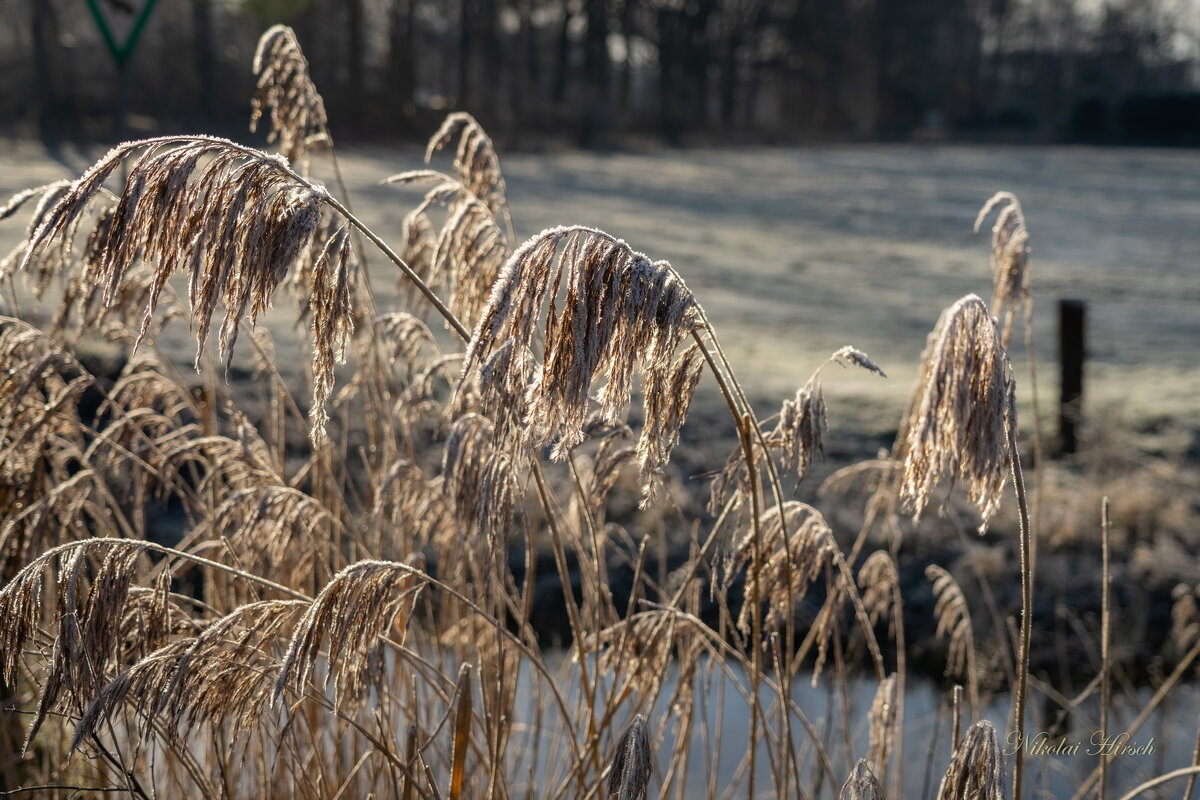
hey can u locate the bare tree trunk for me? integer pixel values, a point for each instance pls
(624, 99)
(595, 112)
(356, 72)
(525, 88)
(465, 42)
(729, 73)
(402, 57)
(563, 61)
(43, 70)
(202, 43)
(490, 102)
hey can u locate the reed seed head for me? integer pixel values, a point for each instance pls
(1009, 259)
(976, 770)
(352, 612)
(620, 313)
(285, 91)
(953, 620)
(234, 219)
(882, 720)
(629, 775)
(222, 675)
(862, 784)
(962, 412)
(475, 161)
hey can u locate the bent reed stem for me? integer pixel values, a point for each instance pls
(1026, 610)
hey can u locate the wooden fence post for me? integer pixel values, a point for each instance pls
(1072, 352)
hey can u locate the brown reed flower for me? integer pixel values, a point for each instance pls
(961, 414)
(234, 219)
(976, 770)
(620, 313)
(1009, 259)
(475, 161)
(629, 775)
(954, 622)
(222, 676)
(862, 784)
(352, 612)
(285, 91)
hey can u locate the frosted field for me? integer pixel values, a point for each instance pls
(795, 252)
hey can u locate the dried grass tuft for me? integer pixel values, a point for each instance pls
(629, 775)
(954, 623)
(621, 313)
(475, 161)
(234, 219)
(222, 676)
(961, 414)
(1010, 258)
(285, 91)
(352, 612)
(862, 784)
(976, 771)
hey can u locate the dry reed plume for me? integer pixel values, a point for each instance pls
(1010, 258)
(802, 422)
(469, 250)
(286, 93)
(954, 623)
(962, 412)
(233, 219)
(862, 784)
(479, 478)
(221, 676)
(976, 771)
(882, 719)
(629, 775)
(53, 262)
(798, 434)
(475, 160)
(621, 313)
(790, 565)
(351, 612)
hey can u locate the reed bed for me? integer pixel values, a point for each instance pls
(355, 604)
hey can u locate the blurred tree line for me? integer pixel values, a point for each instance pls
(594, 70)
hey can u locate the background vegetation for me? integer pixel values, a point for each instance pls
(592, 71)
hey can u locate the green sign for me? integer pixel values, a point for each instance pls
(121, 51)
